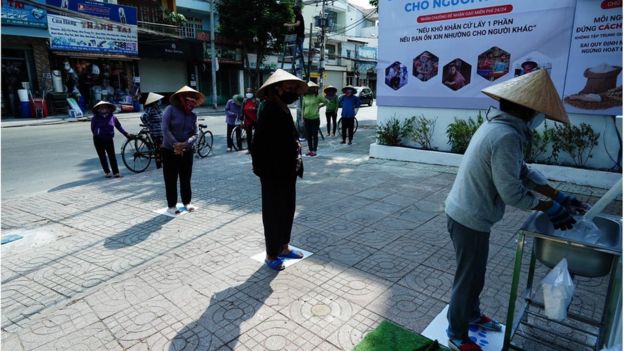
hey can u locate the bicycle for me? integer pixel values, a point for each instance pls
(239, 134)
(137, 153)
(339, 125)
(204, 141)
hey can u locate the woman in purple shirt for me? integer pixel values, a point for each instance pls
(179, 128)
(103, 126)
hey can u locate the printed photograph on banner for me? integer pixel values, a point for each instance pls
(396, 75)
(425, 66)
(456, 74)
(488, 38)
(594, 78)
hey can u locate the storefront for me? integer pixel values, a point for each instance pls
(25, 64)
(229, 73)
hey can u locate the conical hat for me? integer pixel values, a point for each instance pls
(311, 84)
(152, 97)
(330, 87)
(281, 76)
(534, 90)
(173, 99)
(103, 103)
(353, 90)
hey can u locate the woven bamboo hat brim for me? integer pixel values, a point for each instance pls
(534, 90)
(152, 97)
(330, 87)
(282, 76)
(173, 99)
(103, 103)
(311, 84)
(353, 90)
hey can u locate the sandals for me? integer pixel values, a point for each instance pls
(294, 254)
(276, 264)
(463, 345)
(487, 323)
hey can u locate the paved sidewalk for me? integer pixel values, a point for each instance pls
(97, 269)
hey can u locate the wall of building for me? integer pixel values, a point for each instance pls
(604, 154)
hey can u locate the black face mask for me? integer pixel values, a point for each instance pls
(289, 97)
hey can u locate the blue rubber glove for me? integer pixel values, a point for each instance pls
(572, 204)
(560, 217)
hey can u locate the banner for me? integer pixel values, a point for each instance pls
(115, 13)
(594, 79)
(442, 53)
(74, 34)
(17, 13)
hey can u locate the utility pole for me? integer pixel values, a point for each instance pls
(213, 56)
(321, 67)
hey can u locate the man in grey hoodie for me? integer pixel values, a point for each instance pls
(492, 175)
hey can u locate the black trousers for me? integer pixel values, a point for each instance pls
(278, 212)
(157, 157)
(175, 166)
(347, 125)
(249, 131)
(331, 122)
(104, 147)
(230, 142)
(471, 254)
(312, 131)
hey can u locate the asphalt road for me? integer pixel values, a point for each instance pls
(52, 157)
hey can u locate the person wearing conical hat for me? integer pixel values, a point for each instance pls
(152, 118)
(311, 117)
(331, 109)
(179, 128)
(103, 126)
(350, 105)
(275, 155)
(492, 175)
(233, 113)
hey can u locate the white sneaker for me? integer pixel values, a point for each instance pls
(189, 208)
(173, 211)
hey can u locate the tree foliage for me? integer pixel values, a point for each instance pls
(257, 24)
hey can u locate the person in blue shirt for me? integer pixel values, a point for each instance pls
(350, 105)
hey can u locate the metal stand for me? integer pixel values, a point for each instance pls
(514, 319)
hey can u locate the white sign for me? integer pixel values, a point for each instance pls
(442, 53)
(594, 80)
(75, 34)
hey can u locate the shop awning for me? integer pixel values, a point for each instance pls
(95, 55)
(25, 32)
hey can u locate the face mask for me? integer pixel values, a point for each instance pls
(249, 95)
(289, 97)
(536, 121)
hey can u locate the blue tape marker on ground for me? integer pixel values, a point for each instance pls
(9, 238)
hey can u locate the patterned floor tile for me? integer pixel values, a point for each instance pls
(357, 286)
(430, 282)
(386, 266)
(347, 252)
(355, 329)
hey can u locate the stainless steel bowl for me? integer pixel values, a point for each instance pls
(587, 259)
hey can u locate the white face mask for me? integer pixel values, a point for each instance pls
(249, 95)
(537, 120)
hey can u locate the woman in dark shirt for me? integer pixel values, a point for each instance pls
(275, 154)
(179, 128)
(103, 126)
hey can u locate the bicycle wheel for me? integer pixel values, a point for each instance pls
(204, 144)
(137, 154)
(240, 143)
(339, 125)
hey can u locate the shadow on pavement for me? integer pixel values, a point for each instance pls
(137, 233)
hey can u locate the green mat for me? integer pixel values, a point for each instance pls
(391, 337)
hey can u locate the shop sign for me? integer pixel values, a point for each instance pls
(74, 34)
(594, 79)
(442, 53)
(17, 13)
(269, 62)
(167, 49)
(367, 53)
(115, 13)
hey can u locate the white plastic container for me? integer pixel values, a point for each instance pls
(23, 95)
(57, 80)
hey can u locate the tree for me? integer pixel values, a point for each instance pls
(257, 24)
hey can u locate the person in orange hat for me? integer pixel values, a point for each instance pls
(276, 160)
(179, 128)
(493, 174)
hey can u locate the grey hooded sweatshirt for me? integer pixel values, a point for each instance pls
(492, 174)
